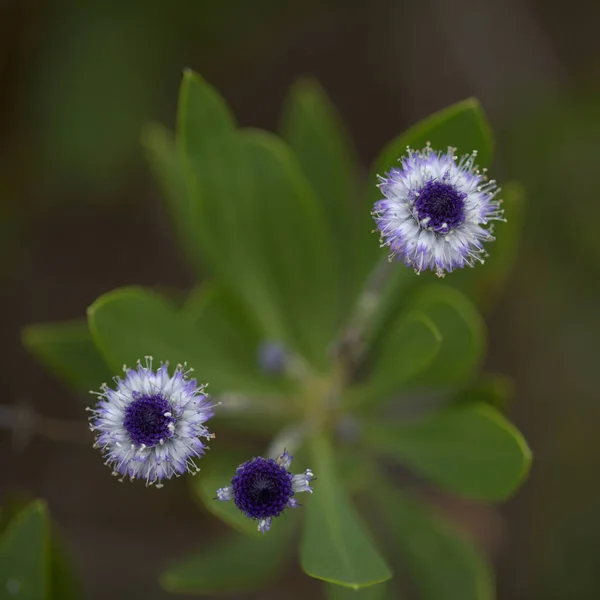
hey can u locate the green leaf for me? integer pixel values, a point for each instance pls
(223, 199)
(216, 177)
(217, 472)
(440, 562)
(68, 350)
(338, 592)
(297, 247)
(234, 564)
(336, 545)
(462, 330)
(316, 134)
(462, 125)
(408, 349)
(24, 554)
(493, 389)
(471, 450)
(215, 312)
(262, 231)
(166, 164)
(130, 323)
(484, 283)
(219, 316)
(65, 584)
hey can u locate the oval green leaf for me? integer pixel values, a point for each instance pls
(234, 564)
(336, 545)
(25, 555)
(409, 348)
(471, 450)
(264, 235)
(166, 164)
(223, 200)
(441, 563)
(68, 350)
(494, 389)
(130, 323)
(315, 132)
(463, 125)
(297, 250)
(462, 330)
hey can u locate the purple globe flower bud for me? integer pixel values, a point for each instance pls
(263, 488)
(272, 358)
(436, 211)
(150, 426)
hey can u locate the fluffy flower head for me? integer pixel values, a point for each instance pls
(262, 488)
(436, 211)
(150, 425)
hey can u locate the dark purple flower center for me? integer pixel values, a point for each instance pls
(442, 205)
(147, 419)
(262, 488)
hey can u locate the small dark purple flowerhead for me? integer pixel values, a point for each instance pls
(436, 210)
(272, 358)
(263, 488)
(151, 425)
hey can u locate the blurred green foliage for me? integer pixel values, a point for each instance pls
(278, 227)
(33, 563)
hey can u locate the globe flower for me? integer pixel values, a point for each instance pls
(262, 488)
(436, 211)
(151, 425)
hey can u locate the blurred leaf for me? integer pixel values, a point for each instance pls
(317, 135)
(223, 200)
(442, 565)
(219, 316)
(484, 282)
(216, 178)
(218, 473)
(462, 125)
(336, 546)
(234, 564)
(373, 592)
(68, 350)
(130, 323)
(298, 253)
(65, 584)
(493, 389)
(470, 450)
(354, 467)
(217, 313)
(164, 159)
(24, 554)
(260, 226)
(462, 330)
(408, 349)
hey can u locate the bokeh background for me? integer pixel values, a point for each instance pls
(80, 214)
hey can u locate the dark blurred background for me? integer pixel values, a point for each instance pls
(80, 214)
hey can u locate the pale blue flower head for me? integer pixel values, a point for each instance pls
(151, 425)
(436, 211)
